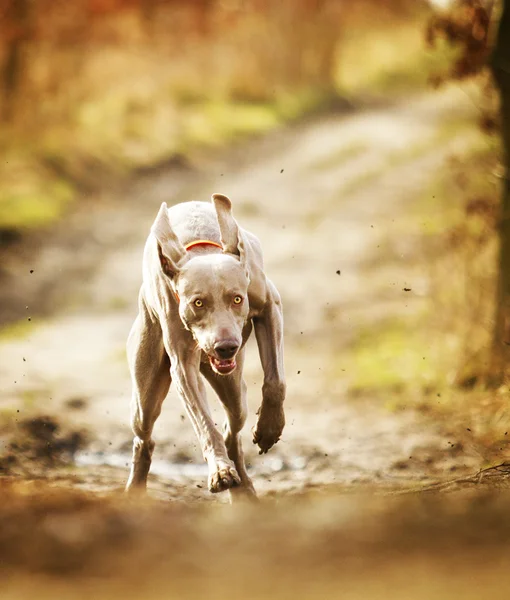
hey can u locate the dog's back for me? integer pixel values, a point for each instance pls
(194, 221)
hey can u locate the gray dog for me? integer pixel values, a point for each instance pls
(203, 291)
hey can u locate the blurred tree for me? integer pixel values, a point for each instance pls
(16, 33)
(500, 63)
(467, 26)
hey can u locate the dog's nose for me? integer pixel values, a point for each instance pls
(226, 349)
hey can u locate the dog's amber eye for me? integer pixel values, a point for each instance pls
(237, 299)
(198, 303)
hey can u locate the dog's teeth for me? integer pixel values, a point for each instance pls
(223, 366)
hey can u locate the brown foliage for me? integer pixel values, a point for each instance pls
(467, 28)
(248, 48)
(47, 45)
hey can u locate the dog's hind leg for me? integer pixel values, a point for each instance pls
(150, 372)
(231, 390)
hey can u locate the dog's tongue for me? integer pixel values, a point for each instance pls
(225, 363)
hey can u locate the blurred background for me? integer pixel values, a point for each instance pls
(94, 90)
(360, 141)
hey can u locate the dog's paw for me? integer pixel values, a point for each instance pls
(223, 477)
(269, 427)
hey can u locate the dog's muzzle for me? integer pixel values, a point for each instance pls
(224, 362)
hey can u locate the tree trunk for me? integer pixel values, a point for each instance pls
(17, 33)
(500, 64)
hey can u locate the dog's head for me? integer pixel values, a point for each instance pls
(211, 289)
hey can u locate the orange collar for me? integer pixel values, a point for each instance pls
(192, 245)
(202, 243)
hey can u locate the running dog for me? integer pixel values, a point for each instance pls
(204, 289)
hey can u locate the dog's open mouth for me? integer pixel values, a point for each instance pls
(223, 367)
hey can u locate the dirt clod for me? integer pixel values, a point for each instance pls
(38, 443)
(76, 403)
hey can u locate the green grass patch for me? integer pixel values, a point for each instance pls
(18, 330)
(40, 206)
(471, 175)
(29, 196)
(137, 133)
(398, 355)
(391, 59)
(215, 123)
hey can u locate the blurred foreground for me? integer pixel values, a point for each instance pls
(62, 544)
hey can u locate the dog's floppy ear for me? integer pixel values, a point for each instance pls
(230, 236)
(170, 249)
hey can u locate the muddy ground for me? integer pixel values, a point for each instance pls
(323, 197)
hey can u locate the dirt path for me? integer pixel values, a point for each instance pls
(320, 197)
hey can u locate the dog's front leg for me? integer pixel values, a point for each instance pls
(269, 333)
(185, 374)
